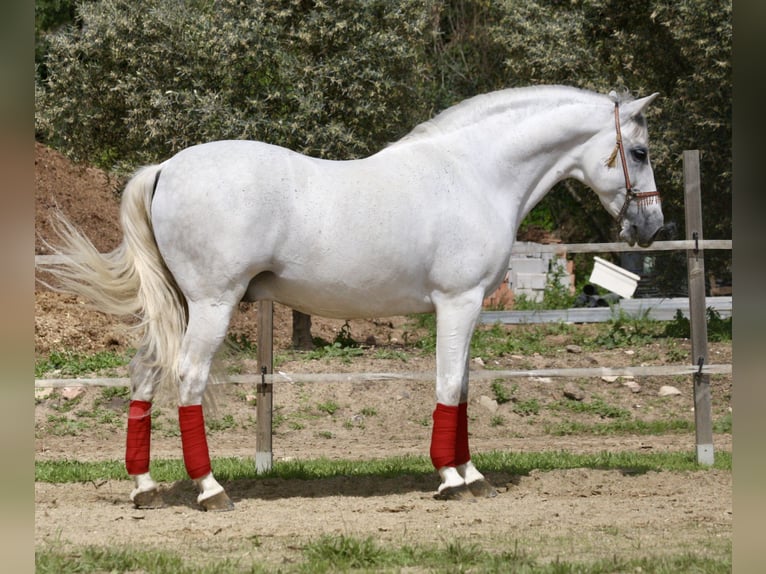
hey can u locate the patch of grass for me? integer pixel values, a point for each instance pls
(637, 427)
(596, 406)
(109, 393)
(335, 351)
(235, 468)
(94, 559)
(70, 364)
(526, 408)
(62, 425)
(501, 393)
(392, 354)
(369, 411)
(338, 553)
(496, 421)
(626, 331)
(329, 407)
(345, 553)
(723, 424)
(226, 422)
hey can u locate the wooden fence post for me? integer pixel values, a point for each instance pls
(697, 309)
(264, 391)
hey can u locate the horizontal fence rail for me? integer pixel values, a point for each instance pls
(354, 377)
(657, 309)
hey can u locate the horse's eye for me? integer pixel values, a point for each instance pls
(639, 154)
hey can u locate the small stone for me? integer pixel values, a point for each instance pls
(576, 349)
(609, 378)
(479, 362)
(402, 395)
(70, 393)
(488, 403)
(632, 385)
(668, 391)
(572, 392)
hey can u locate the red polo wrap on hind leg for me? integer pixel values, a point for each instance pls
(193, 440)
(462, 454)
(139, 437)
(444, 436)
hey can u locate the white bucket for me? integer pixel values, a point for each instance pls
(615, 278)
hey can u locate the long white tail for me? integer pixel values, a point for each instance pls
(130, 280)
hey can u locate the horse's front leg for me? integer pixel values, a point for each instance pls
(456, 319)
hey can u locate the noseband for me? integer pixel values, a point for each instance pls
(640, 197)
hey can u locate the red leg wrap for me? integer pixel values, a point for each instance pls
(139, 437)
(443, 437)
(462, 454)
(194, 441)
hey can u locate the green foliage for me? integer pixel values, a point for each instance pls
(329, 407)
(556, 294)
(344, 337)
(123, 83)
(335, 351)
(346, 553)
(718, 329)
(236, 468)
(596, 406)
(526, 408)
(71, 364)
(146, 80)
(337, 553)
(625, 331)
(501, 393)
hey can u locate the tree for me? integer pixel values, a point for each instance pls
(133, 82)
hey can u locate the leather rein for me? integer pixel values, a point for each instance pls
(641, 197)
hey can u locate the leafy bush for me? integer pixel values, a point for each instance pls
(137, 82)
(718, 329)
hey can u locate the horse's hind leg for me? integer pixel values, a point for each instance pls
(144, 380)
(208, 323)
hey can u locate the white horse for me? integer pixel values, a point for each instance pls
(426, 224)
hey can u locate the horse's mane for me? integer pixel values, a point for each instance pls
(532, 98)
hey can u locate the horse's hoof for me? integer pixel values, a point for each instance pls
(461, 492)
(148, 499)
(217, 503)
(482, 489)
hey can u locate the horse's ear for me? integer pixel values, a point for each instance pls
(637, 106)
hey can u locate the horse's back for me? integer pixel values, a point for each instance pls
(332, 237)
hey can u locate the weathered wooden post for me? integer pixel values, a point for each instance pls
(697, 308)
(264, 390)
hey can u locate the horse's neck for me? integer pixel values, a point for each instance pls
(530, 153)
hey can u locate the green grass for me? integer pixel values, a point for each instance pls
(345, 553)
(71, 364)
(234, 468)
(622, 426)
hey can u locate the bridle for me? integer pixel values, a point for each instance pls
(640, 197)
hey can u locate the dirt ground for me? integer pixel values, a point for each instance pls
(578, 514)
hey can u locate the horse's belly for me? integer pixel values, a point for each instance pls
(341, 299)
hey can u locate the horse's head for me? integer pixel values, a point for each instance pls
(616, 165)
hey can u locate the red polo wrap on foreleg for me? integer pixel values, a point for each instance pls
(462, 454)
(443, 437)
(139, 437)
(193, 439)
